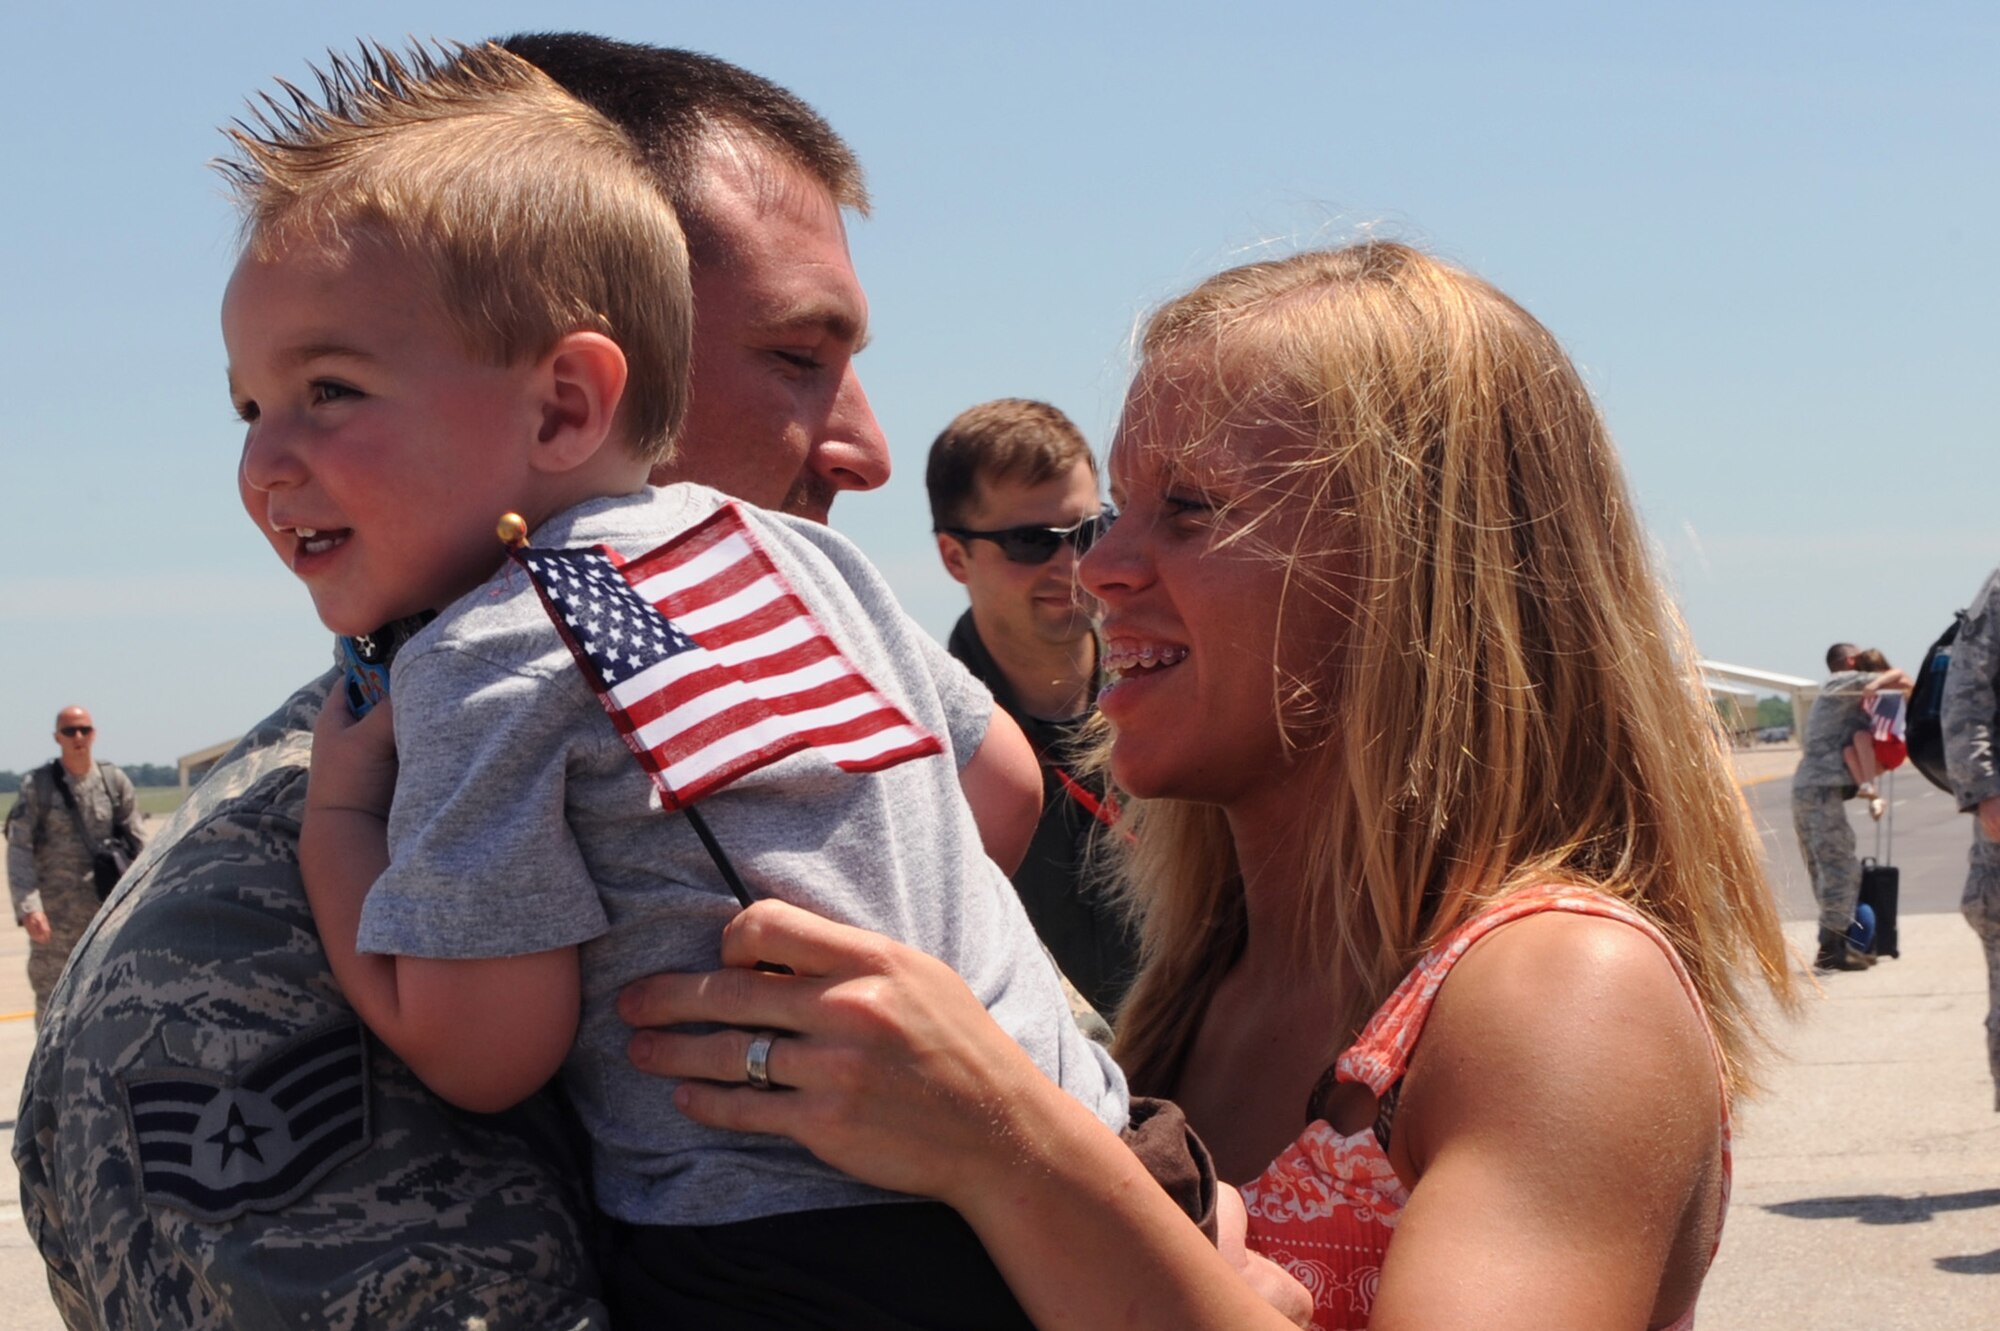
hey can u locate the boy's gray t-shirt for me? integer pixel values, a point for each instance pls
(522, 822)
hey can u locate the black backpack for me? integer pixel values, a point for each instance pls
(1924, 729)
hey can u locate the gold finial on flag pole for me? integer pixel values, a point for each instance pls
(512, 530)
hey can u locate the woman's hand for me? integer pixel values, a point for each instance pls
(1275, 1285)
(892, 1071)
(353, 761)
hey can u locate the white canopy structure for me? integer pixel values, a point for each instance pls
(1735, 677)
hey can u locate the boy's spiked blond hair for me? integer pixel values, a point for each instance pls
(532, 212)
(1515, 701)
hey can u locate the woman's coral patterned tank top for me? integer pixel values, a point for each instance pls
(1326, 1208)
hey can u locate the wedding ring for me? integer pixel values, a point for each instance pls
(757, 1061)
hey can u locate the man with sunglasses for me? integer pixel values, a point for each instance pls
(1014, 501)
(49, 847)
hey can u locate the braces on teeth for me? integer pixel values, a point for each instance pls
(1144, 658)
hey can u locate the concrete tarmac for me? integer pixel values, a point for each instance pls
(1868, 1174)
(24, 1289)
(1867, 1191)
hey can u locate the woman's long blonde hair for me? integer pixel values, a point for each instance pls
(1516, 701)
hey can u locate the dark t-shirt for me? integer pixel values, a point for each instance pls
(1088, 934)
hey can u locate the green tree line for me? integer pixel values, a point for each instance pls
(142, 774)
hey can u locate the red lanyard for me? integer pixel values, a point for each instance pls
(1103, 810)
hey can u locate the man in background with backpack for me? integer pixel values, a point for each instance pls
(67, 809)
(1968, 712)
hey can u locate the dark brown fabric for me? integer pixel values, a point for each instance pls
(1178, 1161)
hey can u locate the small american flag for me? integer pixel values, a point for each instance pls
(1886, 709)
(709, 663)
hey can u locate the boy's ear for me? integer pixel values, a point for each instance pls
(583, 381)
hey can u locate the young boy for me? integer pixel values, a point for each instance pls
(461, 297)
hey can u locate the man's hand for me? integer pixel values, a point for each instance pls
(1989, 818)
(37, 922)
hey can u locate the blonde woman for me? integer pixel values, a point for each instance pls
(1397, 701)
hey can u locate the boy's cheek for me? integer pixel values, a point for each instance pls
(255, 506)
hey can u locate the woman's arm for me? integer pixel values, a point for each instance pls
(899, 1077)
(1892, 680)
(485, 1034)
(1562, 1121)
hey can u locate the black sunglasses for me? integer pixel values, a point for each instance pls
(1036, 545)
(74, 731)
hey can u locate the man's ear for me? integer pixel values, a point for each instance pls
(582, 380)
(953, 552)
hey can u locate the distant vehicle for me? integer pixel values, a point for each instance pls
(1774, 734)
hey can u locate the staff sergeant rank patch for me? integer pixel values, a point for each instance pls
(216, 1147)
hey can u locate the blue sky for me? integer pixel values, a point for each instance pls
(1763, 231)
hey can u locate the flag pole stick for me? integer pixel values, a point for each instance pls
(714, 849)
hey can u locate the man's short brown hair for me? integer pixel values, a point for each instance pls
(677, 104)
(1009, 438)
(532, 212)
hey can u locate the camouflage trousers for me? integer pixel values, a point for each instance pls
(1826, 840)
(70, 908)
(1981, 908)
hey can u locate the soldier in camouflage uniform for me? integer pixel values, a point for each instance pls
(1820, 789)
(208, 1137)
(49, 871)
(1970, 711)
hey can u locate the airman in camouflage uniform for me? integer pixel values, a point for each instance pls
(208, 1138)
(1971, 706)
(1820, 788)
(49, 872)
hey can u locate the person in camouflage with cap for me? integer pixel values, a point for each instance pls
(208, 1137)
(1970, 708)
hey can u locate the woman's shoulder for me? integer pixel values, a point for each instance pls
(1555, 961)
(1565, 1114)
(1381, 1055)
(1559, 1024)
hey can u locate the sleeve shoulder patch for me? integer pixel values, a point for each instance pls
(215, 1145)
